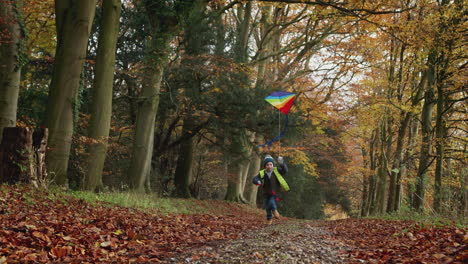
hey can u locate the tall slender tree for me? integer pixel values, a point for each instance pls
(196, 28)
(101, 108)
(164, 17)
(236, 157)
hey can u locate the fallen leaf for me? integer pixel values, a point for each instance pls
(105, 244)
(117, 232)
(41, 236)
(258, 255)
(438, 256)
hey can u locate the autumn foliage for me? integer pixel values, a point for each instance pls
(384, 241)
(44, 227)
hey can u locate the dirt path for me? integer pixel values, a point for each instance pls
(286, 242)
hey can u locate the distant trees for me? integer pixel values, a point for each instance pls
(421, 90)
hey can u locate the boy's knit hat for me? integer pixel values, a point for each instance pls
(268, 158)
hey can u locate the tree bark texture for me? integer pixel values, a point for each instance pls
(183, 173)
(101, 108)
(244, 14)
(372, 204)
(426, 130)
(194, 47)
(382, 169)
(239, 145)
(365, 183)
(11, 38)
(233, 192)
(250, 190)
(22, 156)
(440, 148)
(148, 101)
(395, 176)
(73, 21)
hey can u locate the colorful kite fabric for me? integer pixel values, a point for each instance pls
(281, 100)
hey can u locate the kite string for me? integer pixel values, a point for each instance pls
(270, 142)
(279, 132)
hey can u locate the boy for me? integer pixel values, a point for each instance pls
(272, 181)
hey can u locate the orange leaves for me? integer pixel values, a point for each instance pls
(41, 236)
(60, 252)
(62, 229)
(40, 25)
(383, 241)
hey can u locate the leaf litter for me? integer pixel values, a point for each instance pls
(36, 227)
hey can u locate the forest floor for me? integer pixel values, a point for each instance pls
(48, 227)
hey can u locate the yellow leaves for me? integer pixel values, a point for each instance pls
(216, 90)
(40, 25)
(117, 232)
(300, 158)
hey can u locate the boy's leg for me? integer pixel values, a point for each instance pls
(268, 209)
(274, 208)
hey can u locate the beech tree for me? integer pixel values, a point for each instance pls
(101, 108)
(73, 23)
(12, 58)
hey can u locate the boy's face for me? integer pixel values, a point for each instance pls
(269, 166)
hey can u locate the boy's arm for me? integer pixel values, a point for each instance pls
(282, 168)
(257, 180)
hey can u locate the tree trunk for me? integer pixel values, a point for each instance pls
(234, 170)
(22, 152)
(372, 205)
(163, 28)
(140, 165)
(194, 47)
(425, 156)
(441, 133)
(243, 32)
(73, 22)
(239, 145)
(183, 173)
(234, 160)
(11, 43)
(395, 176)
(409, 163)
(101, 108)
(462, 211)
(382, 169)
(250, 192)
(365, 183)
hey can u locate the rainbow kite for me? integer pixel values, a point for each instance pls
(283, 101)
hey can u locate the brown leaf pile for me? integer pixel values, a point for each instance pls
(38, 227)
(384, 241)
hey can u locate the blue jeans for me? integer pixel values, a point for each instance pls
(270, 206)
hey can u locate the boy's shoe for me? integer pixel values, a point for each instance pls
(269, 221)
(276, 214)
